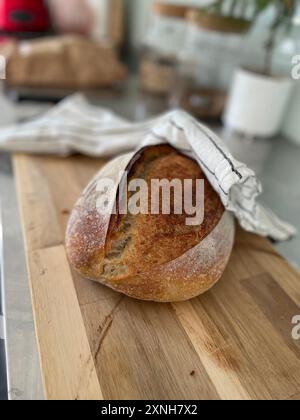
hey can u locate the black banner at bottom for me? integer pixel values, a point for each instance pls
(133, 409)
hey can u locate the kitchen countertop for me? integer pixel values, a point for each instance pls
(280, 174)
(23, 361)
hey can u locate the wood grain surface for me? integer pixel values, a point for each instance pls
(234, 342)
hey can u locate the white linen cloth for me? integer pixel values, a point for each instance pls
(76, 126)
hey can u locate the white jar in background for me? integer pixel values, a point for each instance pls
(257, 103)
(162, 45)
(291, 125)
(214, 45)
(166, 31)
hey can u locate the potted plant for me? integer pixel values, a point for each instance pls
(258, 97)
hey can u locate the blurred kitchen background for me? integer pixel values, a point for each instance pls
(232, 63)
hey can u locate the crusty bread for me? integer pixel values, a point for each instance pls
(151, 257)
(68, 62)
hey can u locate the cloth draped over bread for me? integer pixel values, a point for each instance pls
(74, 125)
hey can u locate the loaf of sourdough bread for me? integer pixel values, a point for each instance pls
(156, 257)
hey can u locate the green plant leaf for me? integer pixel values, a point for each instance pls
(263, 4)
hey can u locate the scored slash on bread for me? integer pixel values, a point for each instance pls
(154, 257)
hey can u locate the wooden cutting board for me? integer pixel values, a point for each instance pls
(235, 342)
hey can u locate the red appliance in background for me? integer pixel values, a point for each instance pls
(17, 16)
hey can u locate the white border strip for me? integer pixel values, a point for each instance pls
(2, 328)
(2, 285)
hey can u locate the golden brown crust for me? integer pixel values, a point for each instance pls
(190, 275)
(147, 256)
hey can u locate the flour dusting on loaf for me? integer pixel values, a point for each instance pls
(150, 256)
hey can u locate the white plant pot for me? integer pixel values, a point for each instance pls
(291, 126)
(257, 103)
